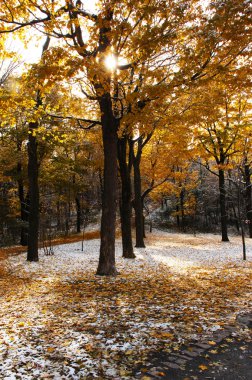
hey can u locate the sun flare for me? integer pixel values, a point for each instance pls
(111, 62)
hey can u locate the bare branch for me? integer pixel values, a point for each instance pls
(90, 97)
(78, 119)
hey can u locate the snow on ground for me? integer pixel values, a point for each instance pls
(60, 321)
(180, 252)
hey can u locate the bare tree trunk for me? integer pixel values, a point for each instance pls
(138, 204)
(126, 195)
(181, 198)
(223, 211)
(33, 176)
(248, 195)
(32, 250)
(24, 203)
(78, 212)
(106, 264)
(177, 215)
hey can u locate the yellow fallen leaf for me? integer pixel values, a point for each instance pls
(203, 367)
(229, 340)
(213, 351)
(211, 342)
(129, 352)
(167, 335)
(21, 324)
(50, 349)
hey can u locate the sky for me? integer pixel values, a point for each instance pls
(32, 53)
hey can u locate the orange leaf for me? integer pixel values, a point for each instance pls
(203, 367)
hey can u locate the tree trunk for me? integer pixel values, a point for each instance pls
(32, 250)
(126, 201)
(33, 173)
(248, 195)
(106, 265)
(78, 212)
(177, 215)
(25, 207)
(138, 204)
(181, 198)
(24, 204)
(223, 205)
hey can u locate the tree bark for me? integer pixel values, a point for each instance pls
(33, 169)
(33, 176)
(177, 215)
(223, 205)
(106, 266)
(78, 212)
(24, 203)
(138, 204)
(126, 195)
(248, 195)
(181, 198)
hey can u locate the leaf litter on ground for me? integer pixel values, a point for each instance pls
(60, 321)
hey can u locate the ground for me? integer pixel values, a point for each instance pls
(60, 321)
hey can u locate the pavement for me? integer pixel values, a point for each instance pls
(226, 355)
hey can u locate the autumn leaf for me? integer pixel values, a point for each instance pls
(213, 351)
(50, 349)
(203, 367)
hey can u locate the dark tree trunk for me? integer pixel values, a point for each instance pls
(181, 198)
(24, 204)
(138, 204)
(59, 227)
(248, 195)
(106, 265)
(78, 212)
(25, 207)
(126, 195)
(33, 174)
(67, 219)
(33, 168)
(223, 205)
(177, 215)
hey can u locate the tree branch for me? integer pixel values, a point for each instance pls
(78, 119)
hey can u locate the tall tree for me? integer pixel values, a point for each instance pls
(220, 127)
(125, 151)
(128, 29)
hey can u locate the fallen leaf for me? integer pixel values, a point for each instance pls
(203, 367)
(211, 342)
(213, 351)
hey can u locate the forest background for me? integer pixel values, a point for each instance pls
(132, 106)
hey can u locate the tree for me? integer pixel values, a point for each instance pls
(125, 150)
(220, 128)
(124, 28)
